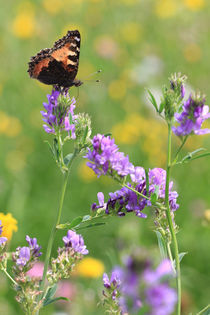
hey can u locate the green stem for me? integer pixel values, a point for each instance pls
(170, 256)
(57, 221)
(8, 275)
(136, 191)
(203, 310)
(170, 223)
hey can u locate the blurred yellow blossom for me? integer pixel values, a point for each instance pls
(148, 132)
(194, 4)
(131, 32)
(90, 267)
(192, 52)
(10, 126)
(166, 8)
(24, 24)
(15, 160)
(9, 225)
(117, 89)
(207, 215)
(86, 173)
(53, 6)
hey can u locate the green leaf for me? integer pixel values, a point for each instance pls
(54, 300)
(109, 134)
(50, 293)
(90, 225)
(152, 100)
(51, 149)
(181, 255)
(154, 195)
(56, 149)
(162, 104)
(70, 225)
(85, 134)
(68, 158)
(161, 244)
(190, 156)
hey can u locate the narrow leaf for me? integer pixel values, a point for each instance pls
(161, 107)
(51, 149)
(161, 244)
(152, 100)
(181, 255)
(108, 134)
(70, 118)
(154, 195)
(85, 134)
(90, 225)
(54, 300)
(50, 293)
(68, 158)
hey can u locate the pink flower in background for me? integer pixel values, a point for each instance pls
(36, 271)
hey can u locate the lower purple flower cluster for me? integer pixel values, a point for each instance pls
(126, 200)
(56, 114)
(27, 254)
(135, 288)
(194, 113)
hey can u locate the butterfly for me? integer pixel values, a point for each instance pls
(58, 65)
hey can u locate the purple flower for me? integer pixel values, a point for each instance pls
(57, 114)
(34, 247)
(194, 113)
(76, 242)
(2, 239)
(163, 270)
(113, 284)
(161, 298)
(24, 256)
(105, 158)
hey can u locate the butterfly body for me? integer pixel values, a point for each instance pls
(58, 65)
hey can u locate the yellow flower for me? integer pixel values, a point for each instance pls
(166, 8)
(194, 4)
(131, 32)
(207, 215)
(15, 160)
(117, 89)
(9, 225)
(192, 53)
(90, 267)
(10, 126)
(86, 173)
(24, 24)
(53, 6)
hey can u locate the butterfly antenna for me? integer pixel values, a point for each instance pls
(90, 75)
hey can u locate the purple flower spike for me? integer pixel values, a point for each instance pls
(105, 158)
(34, 247)
(194, 113)
(75, 241)
(24, 256)
(56, 115)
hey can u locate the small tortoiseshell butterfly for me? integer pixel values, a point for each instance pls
(58, 65)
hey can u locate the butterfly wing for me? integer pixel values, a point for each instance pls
(58, 65)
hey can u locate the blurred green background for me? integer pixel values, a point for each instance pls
(137, 44)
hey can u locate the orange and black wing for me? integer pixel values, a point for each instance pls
(58, 65)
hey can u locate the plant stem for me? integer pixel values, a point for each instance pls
(170, 256)
(136, 191)
(170, 223)
(57, 221)
(203, 310)
(8, 275)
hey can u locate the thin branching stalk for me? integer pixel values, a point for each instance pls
(170, 223)
(57, 221)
